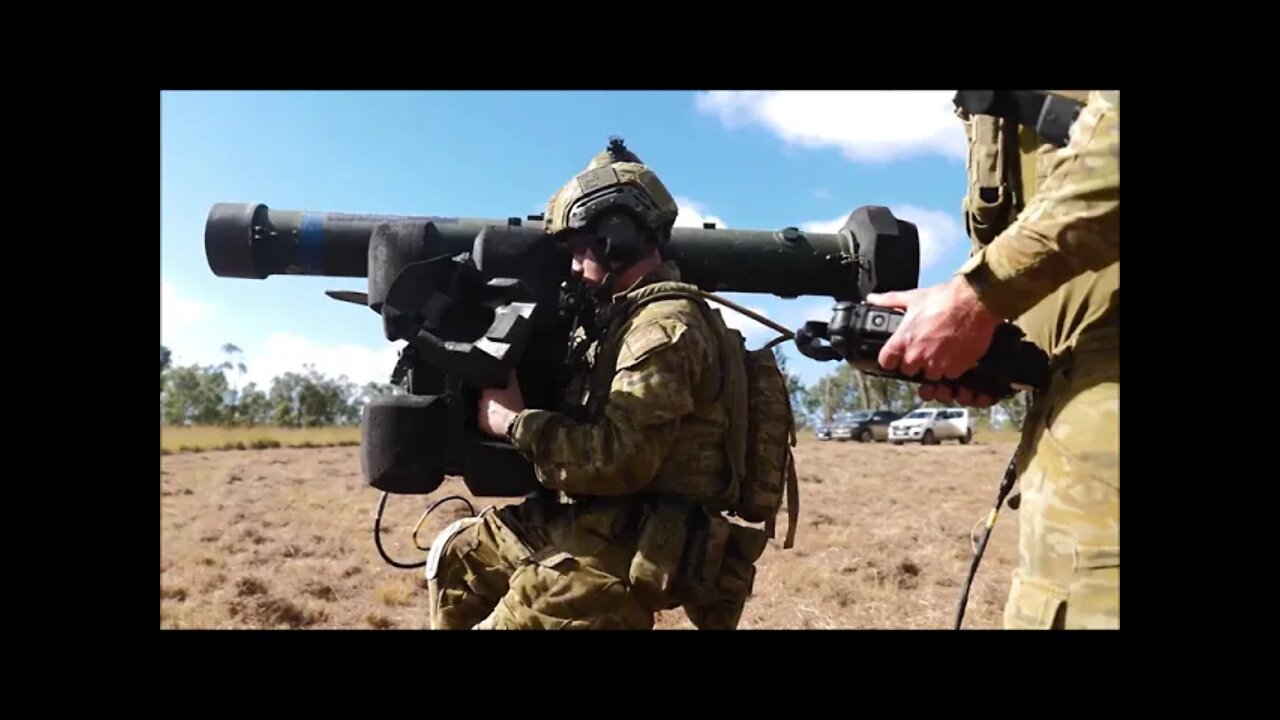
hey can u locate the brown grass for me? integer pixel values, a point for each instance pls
(201, 439)
(283, 538)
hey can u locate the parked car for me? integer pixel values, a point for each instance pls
(827, 430)
(930, 426)
(864, 425)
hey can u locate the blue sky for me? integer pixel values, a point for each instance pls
(750, 160)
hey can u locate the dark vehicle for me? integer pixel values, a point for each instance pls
(864, 425)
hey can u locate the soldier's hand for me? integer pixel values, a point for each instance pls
(499, 406)
(945, 330)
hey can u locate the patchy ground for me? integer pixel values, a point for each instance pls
(283, 538)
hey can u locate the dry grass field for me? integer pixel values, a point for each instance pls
(283, 538)
(196, 439)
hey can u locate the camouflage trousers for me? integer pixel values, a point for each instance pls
(536, 565)
(1068, 576)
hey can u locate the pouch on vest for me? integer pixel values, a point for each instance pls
(991, 201)
(700, 574)
(660, 550)
(722, 609)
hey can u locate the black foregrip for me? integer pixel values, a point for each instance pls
(859, 331)
(1010, 364)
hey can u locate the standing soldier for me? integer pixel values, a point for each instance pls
(1043, 212)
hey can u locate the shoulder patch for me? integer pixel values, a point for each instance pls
(647, 339)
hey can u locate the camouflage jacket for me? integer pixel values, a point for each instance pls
(651, 396)
(1056, 268)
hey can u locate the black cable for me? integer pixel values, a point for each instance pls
(431, 509)
(1010, 475)
(377, 529)
(377, 538)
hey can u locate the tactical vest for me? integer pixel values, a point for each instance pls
(733, 453)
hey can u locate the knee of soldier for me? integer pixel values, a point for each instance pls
(562, 592)
(448, 547)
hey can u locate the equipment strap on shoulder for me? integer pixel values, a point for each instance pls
(1050, 115)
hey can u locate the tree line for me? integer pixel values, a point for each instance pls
(211, 395)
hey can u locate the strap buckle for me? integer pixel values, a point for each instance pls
(1057, 115)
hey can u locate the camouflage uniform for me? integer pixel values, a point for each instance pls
(638, 458)
(1056, 270)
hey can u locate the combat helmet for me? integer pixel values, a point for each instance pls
(618, 201)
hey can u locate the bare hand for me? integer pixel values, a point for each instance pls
(945, 330)
(499, 406)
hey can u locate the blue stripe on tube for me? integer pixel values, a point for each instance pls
(311, 243)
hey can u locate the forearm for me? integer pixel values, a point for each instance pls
(1070, 227)
(608, 457)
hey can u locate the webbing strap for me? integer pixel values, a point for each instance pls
(1050, 115)
(793, 508)
(793, 504)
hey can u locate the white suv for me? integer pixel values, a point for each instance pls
(930, 426)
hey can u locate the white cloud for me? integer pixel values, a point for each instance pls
(873, 126)
(178, 315)
(825, 226)
(284, 353)
(694, 213)
(822, 194)
(939, 230)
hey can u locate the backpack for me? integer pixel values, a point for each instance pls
(760, 449)
(770, 435)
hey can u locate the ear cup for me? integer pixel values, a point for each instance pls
(621, 237)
